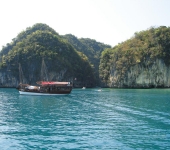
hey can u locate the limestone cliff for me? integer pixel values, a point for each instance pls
(9, 79)
(142, 75)
(140, 62)
(37, 43)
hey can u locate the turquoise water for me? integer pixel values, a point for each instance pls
(86, 119)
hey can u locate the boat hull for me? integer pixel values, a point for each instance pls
(39, 93)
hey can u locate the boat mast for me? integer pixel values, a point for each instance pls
(21, 76)
(44, 76)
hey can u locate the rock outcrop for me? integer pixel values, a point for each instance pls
(8, 80)
(142, 75)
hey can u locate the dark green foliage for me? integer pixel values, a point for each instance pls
(91, 48)
(145, 46)
(24, 34)
(41, 42)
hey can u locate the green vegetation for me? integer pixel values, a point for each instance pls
(91, 48)
(143, 49)
(71, 59)
(38, 42)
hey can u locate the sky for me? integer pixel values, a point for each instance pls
(106, 21)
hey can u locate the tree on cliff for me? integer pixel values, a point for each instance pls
(40, 41)
(142, 49)
(91, 48)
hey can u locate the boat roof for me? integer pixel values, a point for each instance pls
(52, 83)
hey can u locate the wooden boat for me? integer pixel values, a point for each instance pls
(43, 87)
(46, 88)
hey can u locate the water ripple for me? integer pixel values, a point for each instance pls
(86, 119)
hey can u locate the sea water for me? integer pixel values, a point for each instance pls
(124, 119)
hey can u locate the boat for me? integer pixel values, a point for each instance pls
(83, 87)
(43, 87)
(46, 88)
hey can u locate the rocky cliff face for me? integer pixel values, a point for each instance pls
(143, 75)
(8, 80)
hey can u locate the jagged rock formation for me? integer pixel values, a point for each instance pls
(143, 76)
(7, 80)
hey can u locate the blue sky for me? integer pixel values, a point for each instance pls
(107, 21)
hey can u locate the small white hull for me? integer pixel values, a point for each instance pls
(34, 93)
